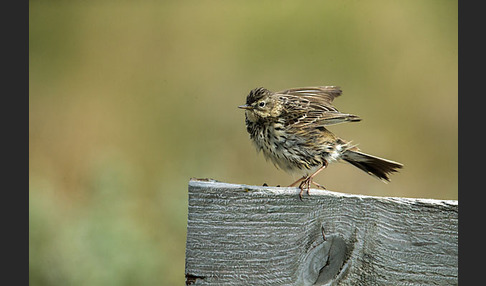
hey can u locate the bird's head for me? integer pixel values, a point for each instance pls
(261, 103)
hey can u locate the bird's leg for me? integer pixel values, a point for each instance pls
(319, 185)
(301, 187)
(307, 181)
(301, 181)
(298, 181)
(314, 174)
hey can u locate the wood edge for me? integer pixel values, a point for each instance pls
(205, 183)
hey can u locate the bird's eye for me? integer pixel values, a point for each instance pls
(261, 104)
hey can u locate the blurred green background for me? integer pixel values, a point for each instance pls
(129, 100)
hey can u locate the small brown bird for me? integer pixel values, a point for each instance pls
(289, 127)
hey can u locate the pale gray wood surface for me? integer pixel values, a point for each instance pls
(253, 235)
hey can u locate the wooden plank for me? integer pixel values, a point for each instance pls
(253, 235)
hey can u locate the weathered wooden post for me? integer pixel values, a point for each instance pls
(250, 235)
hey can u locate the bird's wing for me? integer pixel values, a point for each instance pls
(312, 106)
(324, 94)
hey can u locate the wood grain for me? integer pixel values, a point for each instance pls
(252, 235)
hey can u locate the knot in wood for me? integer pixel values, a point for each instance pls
(323, 262)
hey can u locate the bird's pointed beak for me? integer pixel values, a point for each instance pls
(246, 106)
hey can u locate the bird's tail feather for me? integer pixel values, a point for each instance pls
(375, 166)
